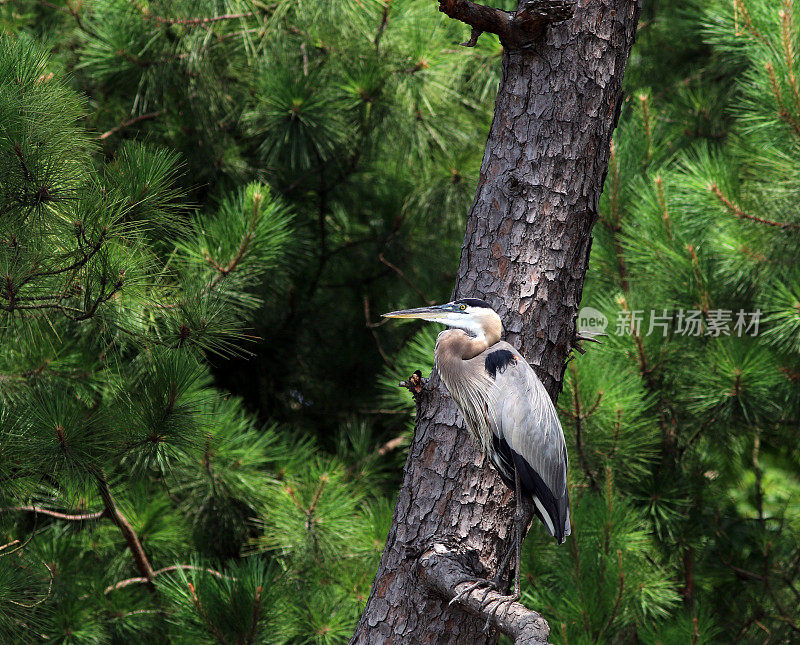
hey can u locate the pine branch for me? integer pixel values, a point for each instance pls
(41, 600)
(382, 26)
(371, 326)
(784, 114)
(579, 416)
(200, 21)
(214, 629)
(733, 209)
(75, 13)
(615, 227)
(392, 444)
(175, 567)
(251, 634)
(618, 600)
(739, 8)
(20, 546)
(12, 289)
(788, 38)
(241, 252)
(408, 280)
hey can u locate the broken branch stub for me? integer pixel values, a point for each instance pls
(516, 30)
(414, 384)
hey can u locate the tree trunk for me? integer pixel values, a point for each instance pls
(525, 251)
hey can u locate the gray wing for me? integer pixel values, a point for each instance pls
(528, 437)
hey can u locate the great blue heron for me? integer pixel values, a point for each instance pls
(508, 412)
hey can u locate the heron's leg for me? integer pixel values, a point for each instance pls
(479, 582)
(522, 516)
(504, 563)
(521, 519)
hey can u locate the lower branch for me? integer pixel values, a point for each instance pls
(440, 570)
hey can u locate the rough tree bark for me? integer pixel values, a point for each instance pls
(525, 251)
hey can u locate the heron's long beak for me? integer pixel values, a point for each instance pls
(435, 312)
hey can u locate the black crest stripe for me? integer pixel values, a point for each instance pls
(474, 302)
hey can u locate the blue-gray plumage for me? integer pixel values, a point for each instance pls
(527, 435)
(507, 410)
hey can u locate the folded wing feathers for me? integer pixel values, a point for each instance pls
(525, 420)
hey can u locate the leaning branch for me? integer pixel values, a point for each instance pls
(112, 512)
(480, 17)
(441, 571)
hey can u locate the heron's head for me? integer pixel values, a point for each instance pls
(474, 316)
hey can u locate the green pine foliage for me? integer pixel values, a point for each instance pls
(697, 219)
(116, 294)
(204, 208)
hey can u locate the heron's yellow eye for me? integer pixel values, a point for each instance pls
(462, 307)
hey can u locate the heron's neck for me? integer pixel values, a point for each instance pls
(469, 384)
(491, 330)
(472, 346)
(456, 344)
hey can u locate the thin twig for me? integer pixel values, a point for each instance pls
(579, 416)
(251, 634)
(134, 544)
(175, 567)
(738, 212)
(199, 21)
(41, 600)
(214, 629)
(56, 514)
(405, 277)
(26, 542)
(392, 444)
(620, 589)
(371, 326)
(382, 27)
(130, 122)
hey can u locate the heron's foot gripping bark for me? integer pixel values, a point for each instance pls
(490, 585)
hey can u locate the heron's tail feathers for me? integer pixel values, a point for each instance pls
(552, 512)
(567, 528)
